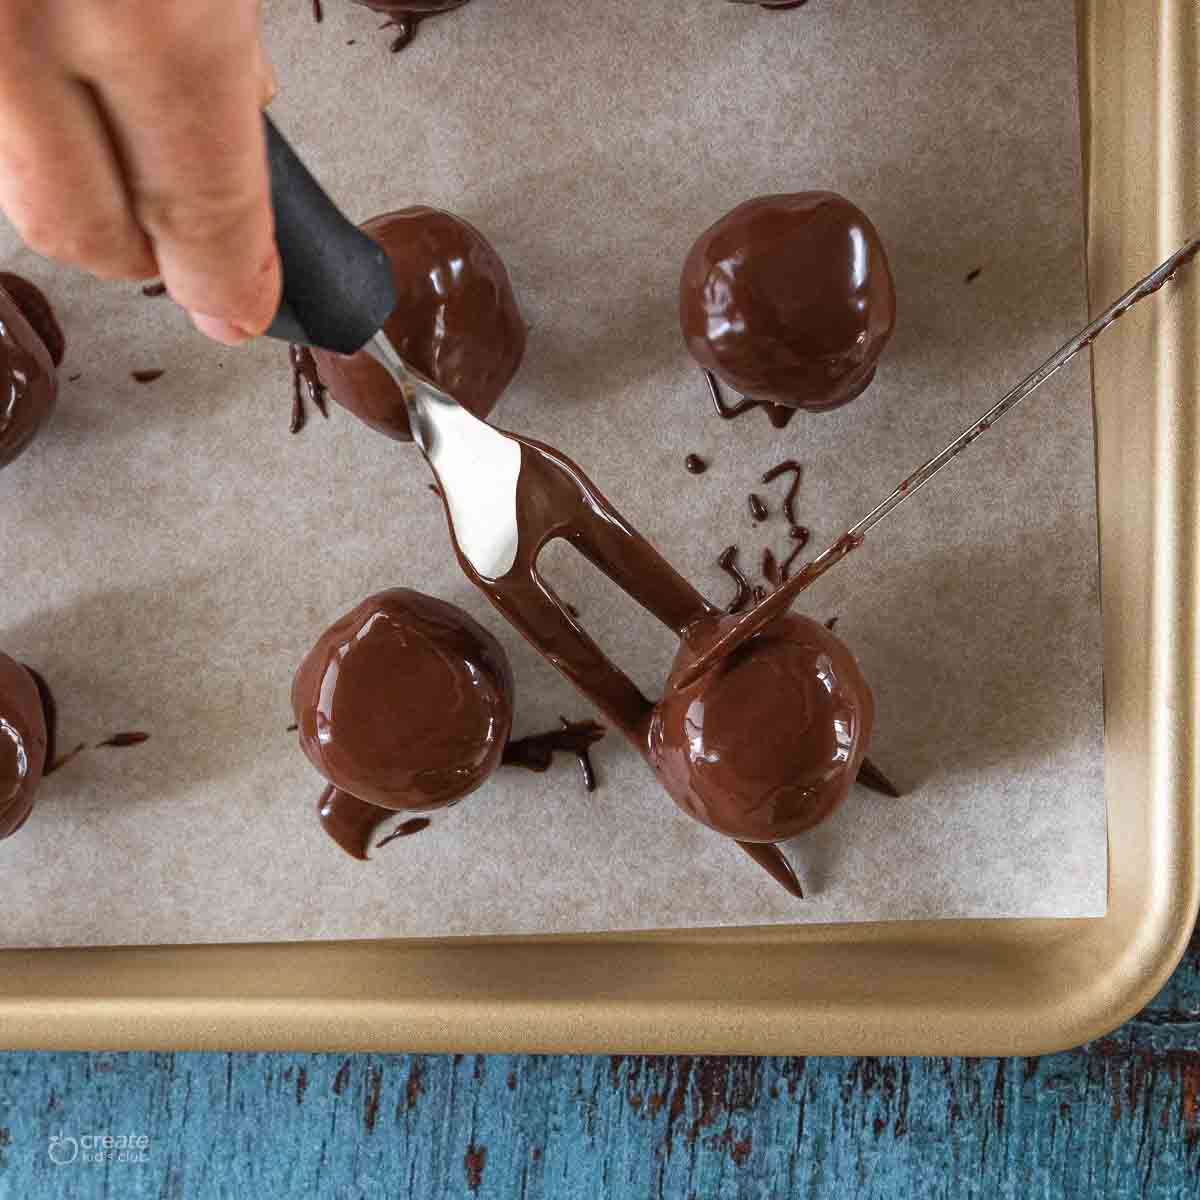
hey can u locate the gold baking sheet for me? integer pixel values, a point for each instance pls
(149, 605)
(983, 987)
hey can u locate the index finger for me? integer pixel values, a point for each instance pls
(184, 105)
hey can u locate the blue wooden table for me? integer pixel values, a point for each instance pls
(1118, 1117)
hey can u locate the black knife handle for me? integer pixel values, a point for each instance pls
(337, 283)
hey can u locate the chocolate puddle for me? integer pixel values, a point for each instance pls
(306, 387)
(743, 596)
(352, 822)
(778, 414)
(536, 753)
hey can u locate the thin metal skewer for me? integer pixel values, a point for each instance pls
(780, 601)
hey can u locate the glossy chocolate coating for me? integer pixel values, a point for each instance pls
(411, 8)
(405, 702)
(789, 299)
(23, 744)
(28, 382)
(767, 744)
(456, 321)
(38, 311)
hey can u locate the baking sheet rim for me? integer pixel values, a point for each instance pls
(979, 987)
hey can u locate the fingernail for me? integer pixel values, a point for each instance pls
(221, 330)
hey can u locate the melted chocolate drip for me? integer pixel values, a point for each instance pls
(728, 563)
(150, 376)
(306, 386)
(537, 753)
(405, 829)
(50, 715)
(759, 618)
(778, 414)
(791, 466)
(54, 760)
(158, 289)
(758, 509)
(695, 464)
(38, 311)
(63, 759)
(772, 860)
(351, 822)
(406, 28)
(120, 741)
(870, 776)
(406, 15)
(785, 571)
(770, 569)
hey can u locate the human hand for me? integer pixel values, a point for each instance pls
(131, 145)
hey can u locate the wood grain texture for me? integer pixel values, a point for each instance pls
(1118, 1117)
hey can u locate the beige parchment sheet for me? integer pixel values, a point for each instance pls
(168, 552)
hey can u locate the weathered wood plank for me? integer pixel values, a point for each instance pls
(1119, 1117)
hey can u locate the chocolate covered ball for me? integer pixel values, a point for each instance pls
(30, 347)
(768, 742)
(789, 299)
(23, 744)
(405, 702)
(456, 321)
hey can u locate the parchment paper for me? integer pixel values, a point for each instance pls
(169, 552)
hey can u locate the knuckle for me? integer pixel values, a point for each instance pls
(215, 215)
(96, 243)
(181, 29)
